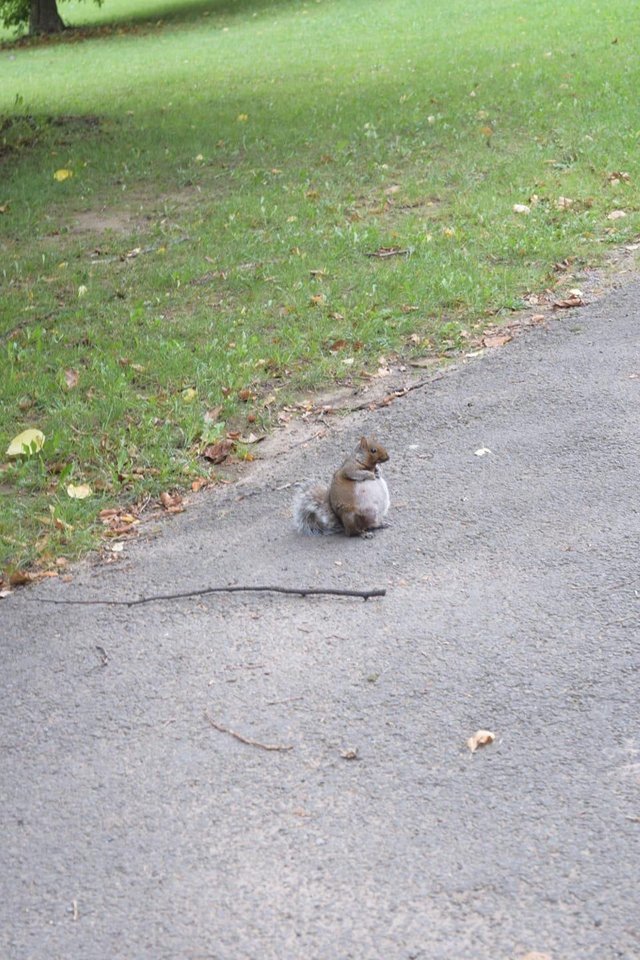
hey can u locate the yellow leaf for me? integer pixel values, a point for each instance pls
(62, 174)
(80, 492)
(243, 117)
(189, 394)
(27, 442)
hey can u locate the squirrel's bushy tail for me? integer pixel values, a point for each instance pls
(312, 511)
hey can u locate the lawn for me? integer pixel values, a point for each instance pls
(190, 201)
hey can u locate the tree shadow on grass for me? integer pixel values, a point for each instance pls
(162, 12)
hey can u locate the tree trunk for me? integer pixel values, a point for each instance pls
(44, 17)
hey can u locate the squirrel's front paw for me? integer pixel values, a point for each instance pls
(367, 534)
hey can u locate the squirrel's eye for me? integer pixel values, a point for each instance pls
(373, 450)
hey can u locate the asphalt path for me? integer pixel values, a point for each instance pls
(133, 827)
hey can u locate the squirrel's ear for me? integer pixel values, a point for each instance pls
(364, 443)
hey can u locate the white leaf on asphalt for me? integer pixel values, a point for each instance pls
(482, 452)
(480, 739)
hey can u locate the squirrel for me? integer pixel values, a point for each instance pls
(355, 502)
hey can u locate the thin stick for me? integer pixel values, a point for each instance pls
(390, 397)
(296, 591)
(251, 743)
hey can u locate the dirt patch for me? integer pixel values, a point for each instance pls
(140, 213)
(106, 220)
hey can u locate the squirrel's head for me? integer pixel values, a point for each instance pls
(371, 447)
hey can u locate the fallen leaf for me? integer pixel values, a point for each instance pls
(212, 415)
(496, 339)
(482, 452)
(242, 117)
(521, 208)
(318, 274)
(350, 754)
(564, 203)
(71, 378)
(79, 492)
(618, 177)
(18, 578)
(82, 291)
(317, 300)
(616, 215)
(338, 345)
(245, 395)
(568, 303)
(189, 394)
(218, 452)
(26, 443)
(62, 174)
(537, 318)
(535, 955)
(172, 502)
(4, 207)
(253, 438)
(480, 739)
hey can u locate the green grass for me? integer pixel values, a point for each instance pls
(242, 146)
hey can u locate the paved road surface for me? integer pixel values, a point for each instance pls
(132, 829)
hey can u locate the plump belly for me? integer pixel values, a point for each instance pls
(372, 500)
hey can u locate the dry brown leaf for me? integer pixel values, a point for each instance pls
(71, 378)
(171, 502)
(245, 395)
(480, 739)
(564, 203)
(568, 303)
(219, 451)
(212, 415)
(618, 177)
(17, 578)
(317, 300)
(496, 339)
(338, 345)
